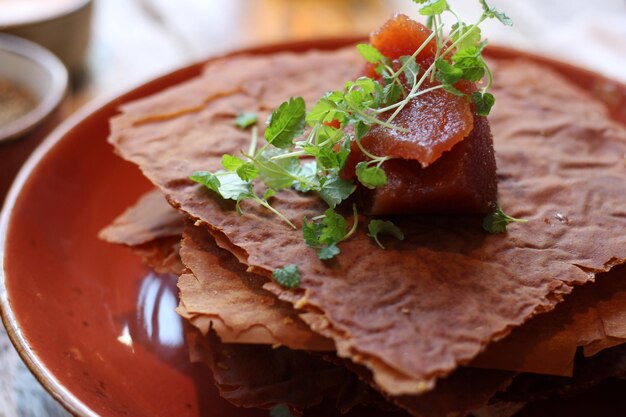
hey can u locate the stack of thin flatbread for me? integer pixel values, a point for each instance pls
(448, 322)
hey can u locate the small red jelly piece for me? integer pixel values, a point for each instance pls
(402, 36)
(443, 160)
(462, 181)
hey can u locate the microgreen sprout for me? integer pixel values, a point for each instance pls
(497, 221)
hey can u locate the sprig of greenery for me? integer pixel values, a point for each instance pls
(497, 221)
(325, 232)
(287, 276)
(307, 151)
(383, 227)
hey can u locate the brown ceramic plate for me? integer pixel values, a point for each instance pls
(71, 303)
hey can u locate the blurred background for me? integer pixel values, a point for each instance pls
(112, 45)
(128, 41)
(135, 39)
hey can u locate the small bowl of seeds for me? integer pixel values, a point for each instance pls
(33, 83)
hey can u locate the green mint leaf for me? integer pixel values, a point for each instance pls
(359, 99)
(371, 176)
(311, 150)
(246, 120)
(447, 74)
(343, 153)
(497, 221)
(411, 69)
(306, 175)
(486, 8)
(483, 102)
(277, 173)
(334, 96)
(380, 69)
(392, 93)
(311, 233)
(360, 129)
(207, 179)
(280, 411)
(491, 12)
(286, 123)
(226, 184)
(328, 252)
(328, 159)
(471, 62)
(231, 163)
(321, 112)
(247, 171)
(329, 135)
(334, 190)
(420, 1)
(232, 187)
(383, 227)
(366, 84)
(369, 53)
(335, 228)
(472, 39)
(504, 19)
(288, 276)
(434, 7)
(378, 94)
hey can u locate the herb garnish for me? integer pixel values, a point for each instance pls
(383, 227)
(287, 276)
(497, 221)
(325, 232)
(307, 151)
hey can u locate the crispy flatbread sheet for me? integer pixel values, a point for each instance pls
(161, 255)
(262, 376)
(588, 372)
(541, 393)
(592, 317)
(219, 289)
(150, 218)
(606, 399)
(415, 311)
(152, 229)
(258, 376)
(462, 392)
(468, 389)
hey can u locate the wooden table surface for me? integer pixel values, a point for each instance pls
(135, 40)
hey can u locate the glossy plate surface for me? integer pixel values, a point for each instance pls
(95, 327)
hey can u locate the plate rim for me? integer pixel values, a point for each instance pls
(33, 362)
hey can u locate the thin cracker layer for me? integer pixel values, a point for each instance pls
(218, 290)
(262, 376)
(592, 317)
(415, 311)
(150, 218)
